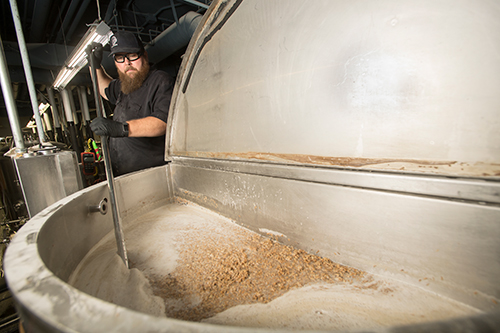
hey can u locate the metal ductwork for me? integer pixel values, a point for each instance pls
(173, 38)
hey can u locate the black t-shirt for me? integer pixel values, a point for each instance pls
(151, 99)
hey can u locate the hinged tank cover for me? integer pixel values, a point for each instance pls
(407, 86)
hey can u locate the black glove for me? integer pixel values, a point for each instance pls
(104, 126)
(95, 51)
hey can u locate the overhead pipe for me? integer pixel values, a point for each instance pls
(10, 102)
(27, 70)
(173, 38)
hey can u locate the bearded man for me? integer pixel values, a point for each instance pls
(142, 98)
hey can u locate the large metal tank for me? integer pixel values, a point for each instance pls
(366, 131)
(40, 177)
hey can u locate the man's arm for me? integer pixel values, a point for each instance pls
(146, 127)
(103, 79)
(95, 51)
(142, 127)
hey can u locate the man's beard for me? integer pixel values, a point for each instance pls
(130, 84)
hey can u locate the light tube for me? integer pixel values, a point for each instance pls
(98, 32)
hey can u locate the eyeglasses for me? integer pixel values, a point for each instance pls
(130, 56)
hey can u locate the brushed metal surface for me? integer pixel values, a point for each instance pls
(46, 250)
(443, 245)
(45, 179)
(482, 191)
(358, 79)
(74, 230)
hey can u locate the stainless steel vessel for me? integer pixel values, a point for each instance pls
(365, 130)
(41, 177)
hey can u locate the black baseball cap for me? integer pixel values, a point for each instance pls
(125, 42)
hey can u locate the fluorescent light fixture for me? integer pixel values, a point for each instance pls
(98, 32)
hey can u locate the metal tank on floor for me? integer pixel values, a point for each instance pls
(366, 130)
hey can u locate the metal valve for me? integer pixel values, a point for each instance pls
(102, 208)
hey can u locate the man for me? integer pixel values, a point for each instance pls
(142, 99)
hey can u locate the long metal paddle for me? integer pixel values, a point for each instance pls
(120, 241)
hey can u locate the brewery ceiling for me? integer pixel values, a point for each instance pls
(51, 29)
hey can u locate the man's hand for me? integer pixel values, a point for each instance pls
(95, 51)
(104, 126)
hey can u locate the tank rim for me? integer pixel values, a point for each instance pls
(46, 301)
